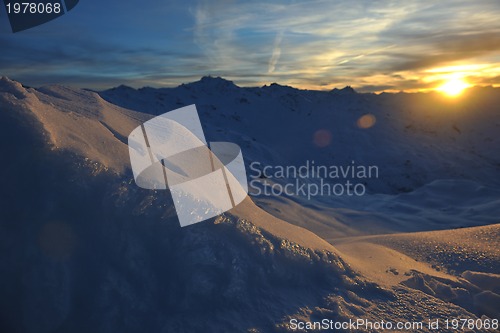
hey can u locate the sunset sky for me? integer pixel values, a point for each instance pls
(370, 45)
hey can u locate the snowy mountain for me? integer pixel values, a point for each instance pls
(84, 249)
(420, 143)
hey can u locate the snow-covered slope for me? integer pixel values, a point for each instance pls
(84, 249)
(77, 120)
(461, 266)
(415, 138)
(437, 158)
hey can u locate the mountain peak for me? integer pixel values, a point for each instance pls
(123, 87)
(216, 82)
(210, 78)
(344, 91)
(276, 86)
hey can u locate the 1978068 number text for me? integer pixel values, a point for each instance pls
(33, 8)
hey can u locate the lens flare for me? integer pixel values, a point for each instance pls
(322, 138)
(366, 121)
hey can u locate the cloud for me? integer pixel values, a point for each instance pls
(447, 49)
(276, 53)
(366, 44)
(89, 61)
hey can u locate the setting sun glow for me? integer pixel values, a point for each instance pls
(453, 87)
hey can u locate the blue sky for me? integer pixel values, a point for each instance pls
(371, 45)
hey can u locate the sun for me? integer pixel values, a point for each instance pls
(453, 87)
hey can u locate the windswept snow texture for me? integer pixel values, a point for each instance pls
(83, 249)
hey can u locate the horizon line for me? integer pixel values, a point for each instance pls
(266, 85)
